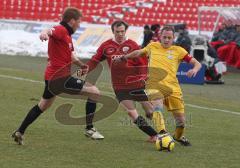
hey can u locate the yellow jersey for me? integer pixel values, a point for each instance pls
(163, 67)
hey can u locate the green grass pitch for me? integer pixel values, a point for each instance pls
(213, 127)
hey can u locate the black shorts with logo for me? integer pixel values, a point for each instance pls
(135, 95)
(69, 85)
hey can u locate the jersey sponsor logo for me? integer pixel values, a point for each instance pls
(116, 56)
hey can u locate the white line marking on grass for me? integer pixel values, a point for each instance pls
(213, 109)
(189, 105)
(19, 78)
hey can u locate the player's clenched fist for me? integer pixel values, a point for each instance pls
(44, 36)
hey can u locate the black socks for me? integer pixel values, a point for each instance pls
(32, 115)
(90, 109)
(144, 126)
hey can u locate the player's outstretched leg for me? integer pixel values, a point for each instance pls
(32, 115)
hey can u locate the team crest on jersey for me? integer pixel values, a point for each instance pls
(110, 50)
(170, 54)
(125, 49)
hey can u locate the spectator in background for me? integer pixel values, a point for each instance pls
(150, 34)
(156, 32)
(225, 35)
(230, 52)
(184, 40)
(237, 35)
(218, 34)
(147, 36)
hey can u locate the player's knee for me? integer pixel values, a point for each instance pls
(95, 93)
(44, 104)
(180, 122)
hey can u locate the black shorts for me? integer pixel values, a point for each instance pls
(69, 85)
(135, 95)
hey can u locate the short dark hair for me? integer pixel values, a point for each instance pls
(118, 23)
(146, 27)
(168, 28)
(71, 13)
(154, 27)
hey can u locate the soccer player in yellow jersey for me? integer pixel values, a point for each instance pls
(162, 83)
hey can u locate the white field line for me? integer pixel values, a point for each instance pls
(19, 78)
(189, 105)
(212, 109)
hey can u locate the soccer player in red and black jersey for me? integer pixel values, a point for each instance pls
(58, 77)
(128, 76)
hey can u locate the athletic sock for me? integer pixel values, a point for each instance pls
(32, 115)
(158, 119)
(143, 125)
(90, 110)
(178, 132)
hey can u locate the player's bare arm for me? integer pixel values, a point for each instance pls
(77, 61)
(44, 36)
(196, 67)
(134, 54)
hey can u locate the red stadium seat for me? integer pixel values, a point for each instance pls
(171, 11)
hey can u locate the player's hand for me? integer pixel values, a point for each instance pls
(85, 69)
(44, 36)
(192, 73)
(82, 71)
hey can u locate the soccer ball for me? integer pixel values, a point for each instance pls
(165, 142)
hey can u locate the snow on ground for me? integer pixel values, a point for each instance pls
(20, 42)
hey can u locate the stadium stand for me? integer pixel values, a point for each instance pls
(137, 13)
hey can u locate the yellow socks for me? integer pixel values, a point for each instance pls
(178, 132)
(158, 120)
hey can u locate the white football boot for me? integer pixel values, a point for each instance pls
(94, 134)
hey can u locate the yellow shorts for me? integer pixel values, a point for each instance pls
(174, 103)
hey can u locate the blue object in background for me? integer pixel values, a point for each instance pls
(182, 77)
